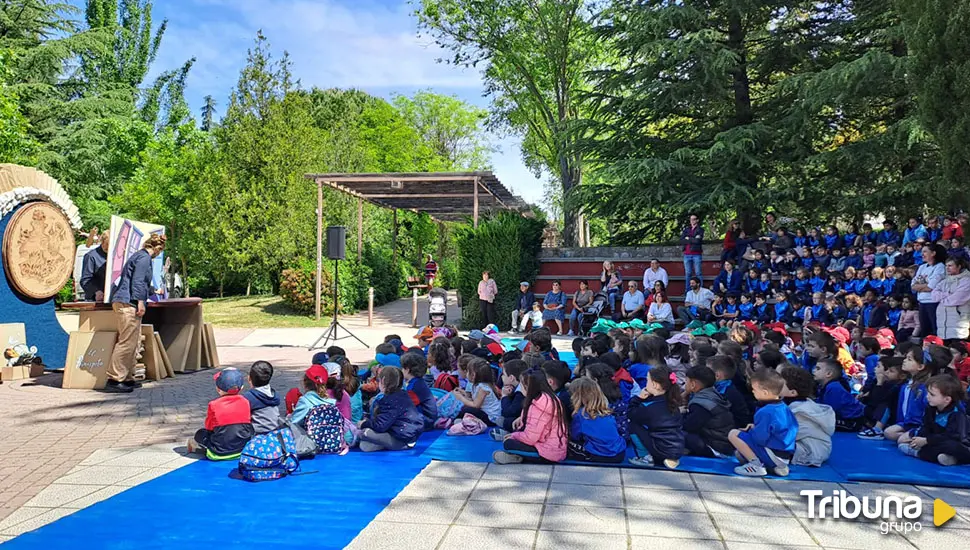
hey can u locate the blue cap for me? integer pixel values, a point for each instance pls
(389, 359)
(320, 358)
(229, 380)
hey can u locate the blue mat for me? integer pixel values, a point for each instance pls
(479, 448)
(880, 461)
(200, 506)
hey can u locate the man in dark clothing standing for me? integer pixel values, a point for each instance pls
(93, 271)
(692, 237)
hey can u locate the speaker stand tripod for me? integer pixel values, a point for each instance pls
(331, 335)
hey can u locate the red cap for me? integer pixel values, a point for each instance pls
(935, 340)
(317, 373)
(777, 327)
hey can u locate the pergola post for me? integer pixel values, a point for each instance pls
(394, 240)
(360, 229)
(441, 240)
(475, 207)
(319, 245)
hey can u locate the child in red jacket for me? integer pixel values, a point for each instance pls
(228, 425)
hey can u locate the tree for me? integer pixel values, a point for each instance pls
(208, 113)
(939, 72)
(535, 54)
(450, 126)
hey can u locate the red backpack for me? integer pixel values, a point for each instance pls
(446, 381)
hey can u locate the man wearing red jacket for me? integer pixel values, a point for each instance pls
(228, 424)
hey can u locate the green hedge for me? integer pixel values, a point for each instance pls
(507, 246)
(298, 286)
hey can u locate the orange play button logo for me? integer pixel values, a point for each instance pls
(942, 512)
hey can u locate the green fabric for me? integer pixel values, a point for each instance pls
(212, 456)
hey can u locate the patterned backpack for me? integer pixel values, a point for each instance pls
(269, 456)
(325, 426)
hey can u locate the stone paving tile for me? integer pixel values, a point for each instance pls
(734, 545)
(20, 516)
(781, 531)
(585, 495)
(101, 475)
(47, 516)
(147, 475)
(583, 519)
(58, 495)
(475, 538)
(682, 526)
(642, 477)
(730, 484)
(429, 487)
(381, 535)
(560, 540)
(861, 535)
(732, 503)
(659, 500)
(96, 497)
(460, 470)
(511, 515)
(664, 543)
(586, 475)
(510, 491)
(420, 510)
(518, 472)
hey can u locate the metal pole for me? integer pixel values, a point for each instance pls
(475, 208)
(414, 307)
(319, 244)
(370, 306)
(360, 229)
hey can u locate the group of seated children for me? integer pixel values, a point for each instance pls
(737, 393)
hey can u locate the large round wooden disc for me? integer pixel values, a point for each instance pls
(38, 250)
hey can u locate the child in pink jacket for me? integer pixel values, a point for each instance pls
(544, 430)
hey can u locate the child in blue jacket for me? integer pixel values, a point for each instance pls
(725, 369)
(943, 437)
(833, 390)
(593, 435)
(769, 443)
(656, 423)
(920, 365)
(413, 367)
(396, 423)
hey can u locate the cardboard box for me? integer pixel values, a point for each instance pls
(88, 356)
(12, 334)
(8, 374)
(36, 370)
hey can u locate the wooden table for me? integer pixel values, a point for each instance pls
(178, 321)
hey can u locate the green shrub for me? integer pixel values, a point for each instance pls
(298, 286)
(507, 246)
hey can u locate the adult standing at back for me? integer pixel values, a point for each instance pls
(93, 270)
(487, 291)
(928, 277)
(953, 295)
(653, 274)
(611, 283)
(692, 237)
(128, 300)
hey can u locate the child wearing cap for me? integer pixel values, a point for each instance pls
(228, 425)
(315, 383)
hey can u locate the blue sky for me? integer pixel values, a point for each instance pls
(366, 44)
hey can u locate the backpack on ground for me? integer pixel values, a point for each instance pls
(325, 426)
(448, 405)
(269, 456)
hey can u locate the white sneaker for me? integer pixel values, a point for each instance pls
(645, 461)
(753, 468)
(781, 470)
(946, 460)
(907, 450)
(671, 463)
(502, 457)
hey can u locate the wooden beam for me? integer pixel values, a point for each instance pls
(381, 178)
(422, 196)
(319, 245)
(360, 229)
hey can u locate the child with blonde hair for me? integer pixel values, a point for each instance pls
(593, 435)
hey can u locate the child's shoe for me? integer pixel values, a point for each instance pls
(671, 463)
(870, 433)
(946, 460)
(753, 468)
(907, 450)
(502, 457)
(781, 470)
(645, 461)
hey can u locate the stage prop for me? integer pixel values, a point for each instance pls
(127, 237)
(37, 226)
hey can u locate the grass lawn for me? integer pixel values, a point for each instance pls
(256, 312)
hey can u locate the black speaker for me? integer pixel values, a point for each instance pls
(337, 242)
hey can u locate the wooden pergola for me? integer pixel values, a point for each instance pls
(445, 196)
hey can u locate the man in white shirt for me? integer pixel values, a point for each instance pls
(653, 274)
(632, 305)
(697, 303)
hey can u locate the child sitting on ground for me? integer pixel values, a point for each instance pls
(656, 423)
(228, 425)
(626, 383)
(881, 399)
(593, 436)
(512, 396)
(336, 389)
(545, 432)
(708, 420)
(767, 445)
(480, 400)
(651, 351)
(315, 394)
(919, 365)
(440, 364)
(943, 438)
(833, 390)
(816, 422)
(603, 374)
(557, 374)
(348, 373)
(724, 369)
(396, 423)
(413, 367)
(264, 404)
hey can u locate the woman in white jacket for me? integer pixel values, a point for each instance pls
(953, 294)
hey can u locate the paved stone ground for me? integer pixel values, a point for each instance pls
(471, 506)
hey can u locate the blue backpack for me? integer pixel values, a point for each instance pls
(325, 426)
(269, 456)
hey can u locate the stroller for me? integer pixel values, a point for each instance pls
(588, 318)
(438, 308)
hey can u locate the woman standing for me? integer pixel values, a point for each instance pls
(581, 300)
(928, 277)
(487, 291)
(128, 301)
(611, 282)
(953, 295)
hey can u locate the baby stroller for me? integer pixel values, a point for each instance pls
(588, 318)
(438, 308)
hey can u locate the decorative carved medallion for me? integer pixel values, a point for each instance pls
(38, 250)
